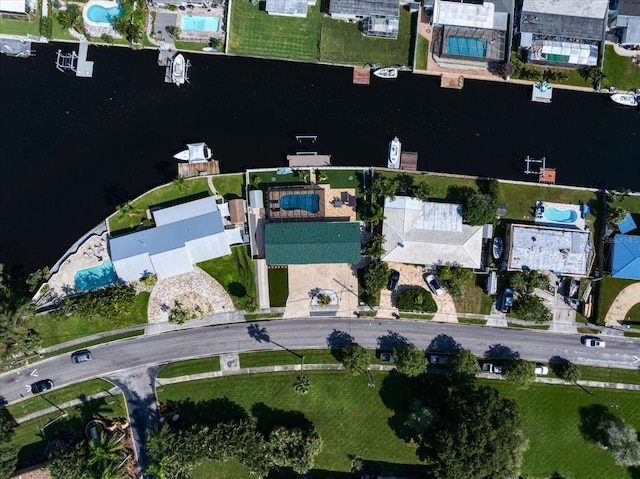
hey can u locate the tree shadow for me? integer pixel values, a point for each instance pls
(114, 194)
(209, 412)
(337, 341)
(258, 333)
(268, 418)
(396, 392)
(457, 194)
(393, 340)
(500, 351)
(634, 472)
(591, 419)
(558, 364)
(237, 289)
(166, 169)
(443, 343)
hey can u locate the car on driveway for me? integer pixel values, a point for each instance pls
(507, 300)
(387, 357)
(438, 359)
(394, 277)
(434, 285)
(541, 369)
(593, 342)
(41, 386)
(81, 356)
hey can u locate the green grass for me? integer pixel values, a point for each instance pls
(343, 179)
(481, 322)
(229, 186)
(633, 315)
(254, 316)
(422, 53)
(32, 442)
(541, 327)
(425, 316)
(278, 287)
(608, 289)
(442, 184)
(610, 375)
(275, 358)
(235, 273)
(621, 71)
(60, 33)
(334, 405)
(190, 366)
(58, 396)
(254, 32)
(220, 470)
(166, 195)
(191, 46)
(630, 203)
(270, 178)
(56, 330)
(474, 300)
(343, 42)
(20, 27)
(107, 339)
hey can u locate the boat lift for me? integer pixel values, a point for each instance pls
(66, 61)
(528, 160)
(301, 138)
(545, 175)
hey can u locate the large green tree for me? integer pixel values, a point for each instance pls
(295, 448)
(8, 450)
(376, 276)
(622, 441)
(532, 308)
(463, 366)
(519, 372)
(410, 360)
(417, 299)
(478, 208)
(355, 358)
(375, 246)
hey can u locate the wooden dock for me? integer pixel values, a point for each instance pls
(301, 160)
(409, 161)
(361, 76)
(452, 81)
(189, 170)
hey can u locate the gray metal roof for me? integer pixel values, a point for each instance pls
(568, 18)
(575, 8)
(364, 8)
(287, 7)
(185, 210)
(630, 8)
(630, 26)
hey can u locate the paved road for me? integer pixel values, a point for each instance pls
(113, 358)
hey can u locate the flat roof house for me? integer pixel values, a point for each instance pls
(541, 248)
(628, 22)
(473, 33)
(13, 6)
(566, 33)
(380, 18)
(418, 232)
(625, 259)
(184, 235)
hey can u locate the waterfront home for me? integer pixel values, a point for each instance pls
(542, 248)
(628, 23)
(14, 6)
(183, 235)
(472, 34)
(567, 33)
(289, 8)
(380, 18)
(625, 258)
(431, 234)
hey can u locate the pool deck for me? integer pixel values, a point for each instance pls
(578, 223)
(196, 35)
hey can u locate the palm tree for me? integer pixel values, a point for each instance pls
(180, 183)
(616, 215)
(105, 452)
(375, 246)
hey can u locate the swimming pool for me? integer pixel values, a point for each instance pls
(468, 47)
(560, 216)
(100, 12)
(200, 24)
(96, 277)
(310, 203)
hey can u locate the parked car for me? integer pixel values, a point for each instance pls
(41, 386)
(438, 359)
(81, 356)
(434, 285)
(491, 368)
(386, 357)
(541, 369)
(507, 300)
(593, 342)
(394, 277)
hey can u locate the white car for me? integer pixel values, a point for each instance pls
(434, 285)
(593, 342)
(541, 369)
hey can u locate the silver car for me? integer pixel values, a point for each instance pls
(81, 356)
(434, 285)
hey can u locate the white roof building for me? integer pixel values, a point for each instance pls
(13, 6)
(427, 233)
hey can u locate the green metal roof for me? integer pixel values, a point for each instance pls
(312, 243)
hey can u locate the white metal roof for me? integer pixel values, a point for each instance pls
(572, 8)
(256, 199)
(191, 209)
(15, 6)
(464, 14)
(410, 213)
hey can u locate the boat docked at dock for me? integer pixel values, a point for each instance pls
(625, 99)
(195, 153)
(393, 160)
(386, 72)
(178, 70)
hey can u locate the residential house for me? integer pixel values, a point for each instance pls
(289, 8)
(183, 235)
(561, 250)
(628, 23)
(472, 33)
(625, 258)
(563, 32)
(428, 233)
(380, 18)
(13, 6)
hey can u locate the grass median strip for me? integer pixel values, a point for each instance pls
(191, 366)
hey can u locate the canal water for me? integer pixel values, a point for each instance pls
(74, 148)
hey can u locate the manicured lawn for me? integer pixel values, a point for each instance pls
(60, 33)
(441, 184)
(21, 27)
(343, 42)
(58, 396)
(221, 470)
(552, 421)
(621, 71)
(254, 32)
(422, 53)
(541, 327)
(56, 330)
(274, 358)
(608, 289)
(343, 179)
(474, 300)
(193, 46)
(351, 417)
(167, 195)
(32, 442)
(278, 287)
(191, 366)
(630, 203)
(235, 273)
(610, 375)
(230, 186)
(271, 178)
(634, 313)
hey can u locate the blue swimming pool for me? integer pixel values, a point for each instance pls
(468, 47)
(99, 14)
(96, 277)
(560, 216)
(310, 203)
(200, 24)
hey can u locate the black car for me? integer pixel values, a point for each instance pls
(41, 386)
(81, 356)
(394, 277)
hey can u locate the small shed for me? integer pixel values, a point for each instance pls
(237, 211)
(256, 199)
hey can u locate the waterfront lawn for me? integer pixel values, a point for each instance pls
(190, 366)
(630, 203)
(20, 27)
(608, 289)
(56, 329)
(621, 72)
(191, 46)
(278, 287)
(252, 31)
(167, 195)
(234, 272)
(343, 179)
(231, 187)
(60, 33)
(345, 425)
(343, 43)
(422, 53)
(270, 178)
(32, 442)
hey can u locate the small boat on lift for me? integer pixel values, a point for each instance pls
(393, 161)
(498, 246)
(194, 153)
(625, 99)
(386, 72)
(178, 70)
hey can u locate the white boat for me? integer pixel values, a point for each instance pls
(393, 161)
(498, 245)
(178, 70)
(209, 49)
(195, 153)
(386, 72)
(626, 99)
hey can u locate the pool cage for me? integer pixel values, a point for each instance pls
(470, 42)
(381, 26)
